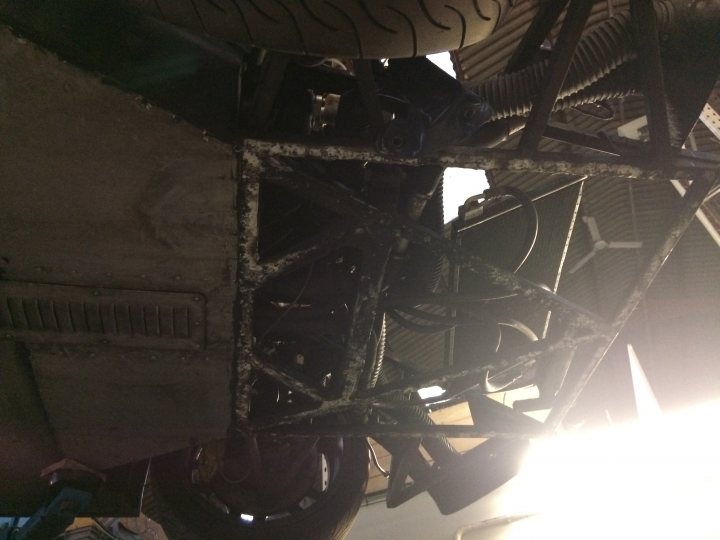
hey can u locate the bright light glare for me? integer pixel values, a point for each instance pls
(430, 392)
(652, 480)
(247, 517)
(443, 61)
(458, 185)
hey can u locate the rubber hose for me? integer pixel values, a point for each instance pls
(422, 267)
(609, 45)
(437, 218)
(429, 263)
(377, 362)
(621, 82)
(439, 448)
(426, 271)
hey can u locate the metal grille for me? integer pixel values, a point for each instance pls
(42, 313)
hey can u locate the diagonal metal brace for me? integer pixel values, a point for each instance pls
(569, 392)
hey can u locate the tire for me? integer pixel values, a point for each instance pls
(170, 500)
(342, 28)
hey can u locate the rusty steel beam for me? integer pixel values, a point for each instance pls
(397, 430)
(524, 356)
(648, 43)
(248, 270)
(387, 396)
(388, 225)
(560, 60)
(293, 381)
(548, 14)
(269, 161)
(686, 165)
(326, 408)
(308, 251)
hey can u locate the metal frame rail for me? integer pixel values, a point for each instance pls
(272, 162)
(374, 231)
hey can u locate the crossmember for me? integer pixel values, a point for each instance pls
(274, 162)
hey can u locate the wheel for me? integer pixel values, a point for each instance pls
(343, 28)
(200, 493)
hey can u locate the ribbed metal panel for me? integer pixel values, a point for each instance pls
(44, 313)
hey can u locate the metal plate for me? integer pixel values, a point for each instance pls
(43, 313)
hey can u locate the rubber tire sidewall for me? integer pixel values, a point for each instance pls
(184, 514)
(341, 28)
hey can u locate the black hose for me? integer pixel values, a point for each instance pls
(376, 461)
(533, 222)
(609, 45)
(422, 268)
(620, 83)
(379, 353)
(433, 261)
(439, 448)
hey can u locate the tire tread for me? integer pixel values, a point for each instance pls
(346, 28)
(167, 501)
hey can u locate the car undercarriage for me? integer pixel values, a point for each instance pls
(228, 265)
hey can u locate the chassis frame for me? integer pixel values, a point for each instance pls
(374, 232)
(586, 336)
(264, 161)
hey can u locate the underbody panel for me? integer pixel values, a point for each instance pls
(118, 259)
(160, 288)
